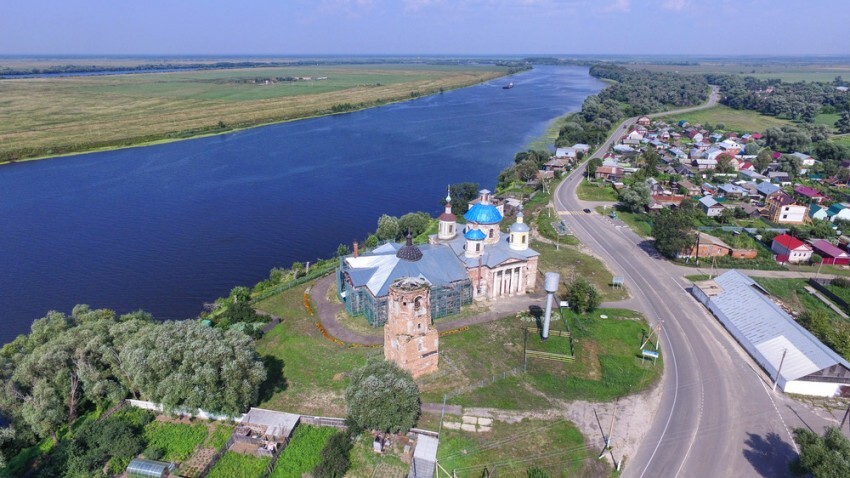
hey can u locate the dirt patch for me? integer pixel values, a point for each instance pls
(196, 464)
(588, 357)
(338, 377)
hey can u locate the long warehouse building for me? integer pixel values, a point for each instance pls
(766, 332)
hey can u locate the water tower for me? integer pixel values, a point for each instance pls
(550, 284)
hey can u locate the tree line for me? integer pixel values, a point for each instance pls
(801, 101)
(92, 358)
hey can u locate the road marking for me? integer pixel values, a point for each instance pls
(770, 396)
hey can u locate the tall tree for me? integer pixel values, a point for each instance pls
(7, 434)
(672, 232)
(388, 228)
(636, 198)
(763, 160)
(185, 364)
(843, 123)
(381, 396)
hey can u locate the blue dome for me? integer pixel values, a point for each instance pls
(519, 227)
(475, 235)
(483, 214)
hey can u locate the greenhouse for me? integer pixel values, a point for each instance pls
(140, 468)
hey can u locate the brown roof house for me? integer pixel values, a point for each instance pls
(710, 246)
(608, 172)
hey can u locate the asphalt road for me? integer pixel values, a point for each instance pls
(718, 416)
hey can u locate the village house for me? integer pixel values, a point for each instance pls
(790, 249)
(839, 211)
(830, 253)
(608, 173)
(782, 209)
(565, 153)
(817, 213)
(808, 194)
(704, 164)
(581, 148)
(644, 121)
(768, 189)
(710, 207)
(731, 191)
(780, 177)
(806, 161)
(710, 246)
(687, 187)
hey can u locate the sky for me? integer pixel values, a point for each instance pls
(423, 27)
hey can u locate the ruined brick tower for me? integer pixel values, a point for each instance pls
(409, 338)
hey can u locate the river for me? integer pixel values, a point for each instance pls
(168, 227)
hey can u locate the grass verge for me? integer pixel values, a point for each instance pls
(237, 465)
(588, 191)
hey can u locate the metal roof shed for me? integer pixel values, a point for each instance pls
(767, 333)
(140, 468)
(424, 457)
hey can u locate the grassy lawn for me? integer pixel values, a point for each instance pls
(793, 294)
(828, 119)
(237, 465)
(588, 191)
(556, 446)
(303, 453)
(734, 120)
(544, 222)
(843, 139)
(44, 116)
(639, 223)
(569, 262)
(314, 368)
(697, 277)
(176, 440)
(607, 363)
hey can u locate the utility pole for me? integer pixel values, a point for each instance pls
(604, 438)
(845, 417)
(781, 361)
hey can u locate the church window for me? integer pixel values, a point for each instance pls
(523, 239)
(417, 303)
(477, 247)
(491, 233)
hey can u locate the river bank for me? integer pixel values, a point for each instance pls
(169, 227)
(214, 103)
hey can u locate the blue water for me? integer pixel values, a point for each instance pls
(168, 227)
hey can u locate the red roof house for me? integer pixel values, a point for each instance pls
(790, 249)
(831, 254)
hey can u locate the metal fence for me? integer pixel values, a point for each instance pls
(323, 421)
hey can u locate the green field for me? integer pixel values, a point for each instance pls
(828, 119)
(734, 120)
(303, 453)
(606, 365)
(176, 440)
(237, 465)
(49, 116)
(553, 445)
(571, 263)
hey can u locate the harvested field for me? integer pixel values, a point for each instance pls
(50, 116)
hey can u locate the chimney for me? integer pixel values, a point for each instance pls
(356, 249)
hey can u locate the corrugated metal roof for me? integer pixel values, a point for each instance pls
(765, 330)
(377, 270)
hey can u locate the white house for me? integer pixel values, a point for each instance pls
(790, 249)
(710, 207)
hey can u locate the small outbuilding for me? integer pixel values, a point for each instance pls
(141, 468)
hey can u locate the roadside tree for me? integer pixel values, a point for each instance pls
(824, 456)
(592, 165)
(843, 123)
(636, 198)
(672, 231)
(388, 228)
(382, 396)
